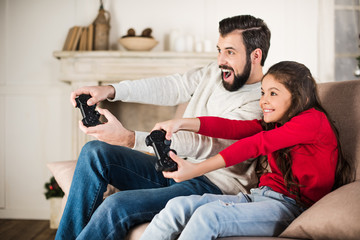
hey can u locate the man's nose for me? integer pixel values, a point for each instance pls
(222, 59)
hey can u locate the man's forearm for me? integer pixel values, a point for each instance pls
(130, 139)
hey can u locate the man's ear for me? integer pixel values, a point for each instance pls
(256, 56)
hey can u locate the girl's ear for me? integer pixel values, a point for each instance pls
(256, 56)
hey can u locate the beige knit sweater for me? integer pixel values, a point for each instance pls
(204, 91)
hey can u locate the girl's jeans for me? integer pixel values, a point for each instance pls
(144, 192)
(263, 212)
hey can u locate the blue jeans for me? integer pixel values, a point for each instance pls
(144, 192)
(261, 213)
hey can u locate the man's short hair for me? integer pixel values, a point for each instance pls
(255, 33)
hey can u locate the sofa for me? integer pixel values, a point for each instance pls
(336, 215)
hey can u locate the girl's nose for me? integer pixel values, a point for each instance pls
(263, 100)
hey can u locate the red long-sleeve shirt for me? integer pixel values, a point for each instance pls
(314, 151)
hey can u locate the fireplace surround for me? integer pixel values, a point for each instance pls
(84, 68)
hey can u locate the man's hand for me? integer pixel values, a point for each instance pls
(112, 132)
(97, 93)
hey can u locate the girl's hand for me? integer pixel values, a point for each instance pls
(186, 170)
(170, 127)
(174, 125)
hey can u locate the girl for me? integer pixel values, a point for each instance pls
(303, 153)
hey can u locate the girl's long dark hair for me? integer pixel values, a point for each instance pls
(298, 80)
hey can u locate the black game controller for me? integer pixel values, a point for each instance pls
(161, 148)
(90, 115)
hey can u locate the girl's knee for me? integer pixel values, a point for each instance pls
(175, 202)
(182, 202)
(206, 211)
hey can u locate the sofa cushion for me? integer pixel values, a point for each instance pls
(335, 216)
(63, 173)
(341, 100)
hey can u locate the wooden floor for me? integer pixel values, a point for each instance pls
(11, 229)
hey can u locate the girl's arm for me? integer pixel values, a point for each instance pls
(175, 125)
(212, 126)
(228, 129)
(301, 129)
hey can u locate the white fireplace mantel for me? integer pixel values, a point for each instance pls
(113, 66)
(105, 67)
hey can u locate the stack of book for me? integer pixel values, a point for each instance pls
(79, 39)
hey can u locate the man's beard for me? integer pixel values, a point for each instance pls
(240, 79)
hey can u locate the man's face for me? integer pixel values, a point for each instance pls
(233, 61)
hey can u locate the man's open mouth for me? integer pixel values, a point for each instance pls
(226, 73)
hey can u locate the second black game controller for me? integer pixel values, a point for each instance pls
(90, 115)
(161, 146)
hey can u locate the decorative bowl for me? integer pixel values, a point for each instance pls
(138, 43)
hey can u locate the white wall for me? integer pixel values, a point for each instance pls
(294, 24)
(34, 106)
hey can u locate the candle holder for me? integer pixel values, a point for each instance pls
(357, 70)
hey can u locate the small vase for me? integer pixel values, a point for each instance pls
(357, 71)
(55, 212)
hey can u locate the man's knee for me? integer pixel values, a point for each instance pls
(93, 147)
(110, 204)
(98, 151)
(93, 156)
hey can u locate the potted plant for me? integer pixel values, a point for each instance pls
(55, 195)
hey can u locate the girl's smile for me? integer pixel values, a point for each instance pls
(275, 100)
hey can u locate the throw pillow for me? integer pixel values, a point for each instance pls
(63, 173)
(335, 216)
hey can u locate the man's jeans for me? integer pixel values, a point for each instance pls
(261, 213)
(144, 192)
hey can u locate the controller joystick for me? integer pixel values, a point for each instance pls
(161, 146)
(89, 114)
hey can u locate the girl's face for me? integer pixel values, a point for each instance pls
(275, 100)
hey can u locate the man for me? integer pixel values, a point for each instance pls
(230, 89)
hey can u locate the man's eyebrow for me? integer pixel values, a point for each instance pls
(227, 48)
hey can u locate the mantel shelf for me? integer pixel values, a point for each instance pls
(113, 66)
(133, 54)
